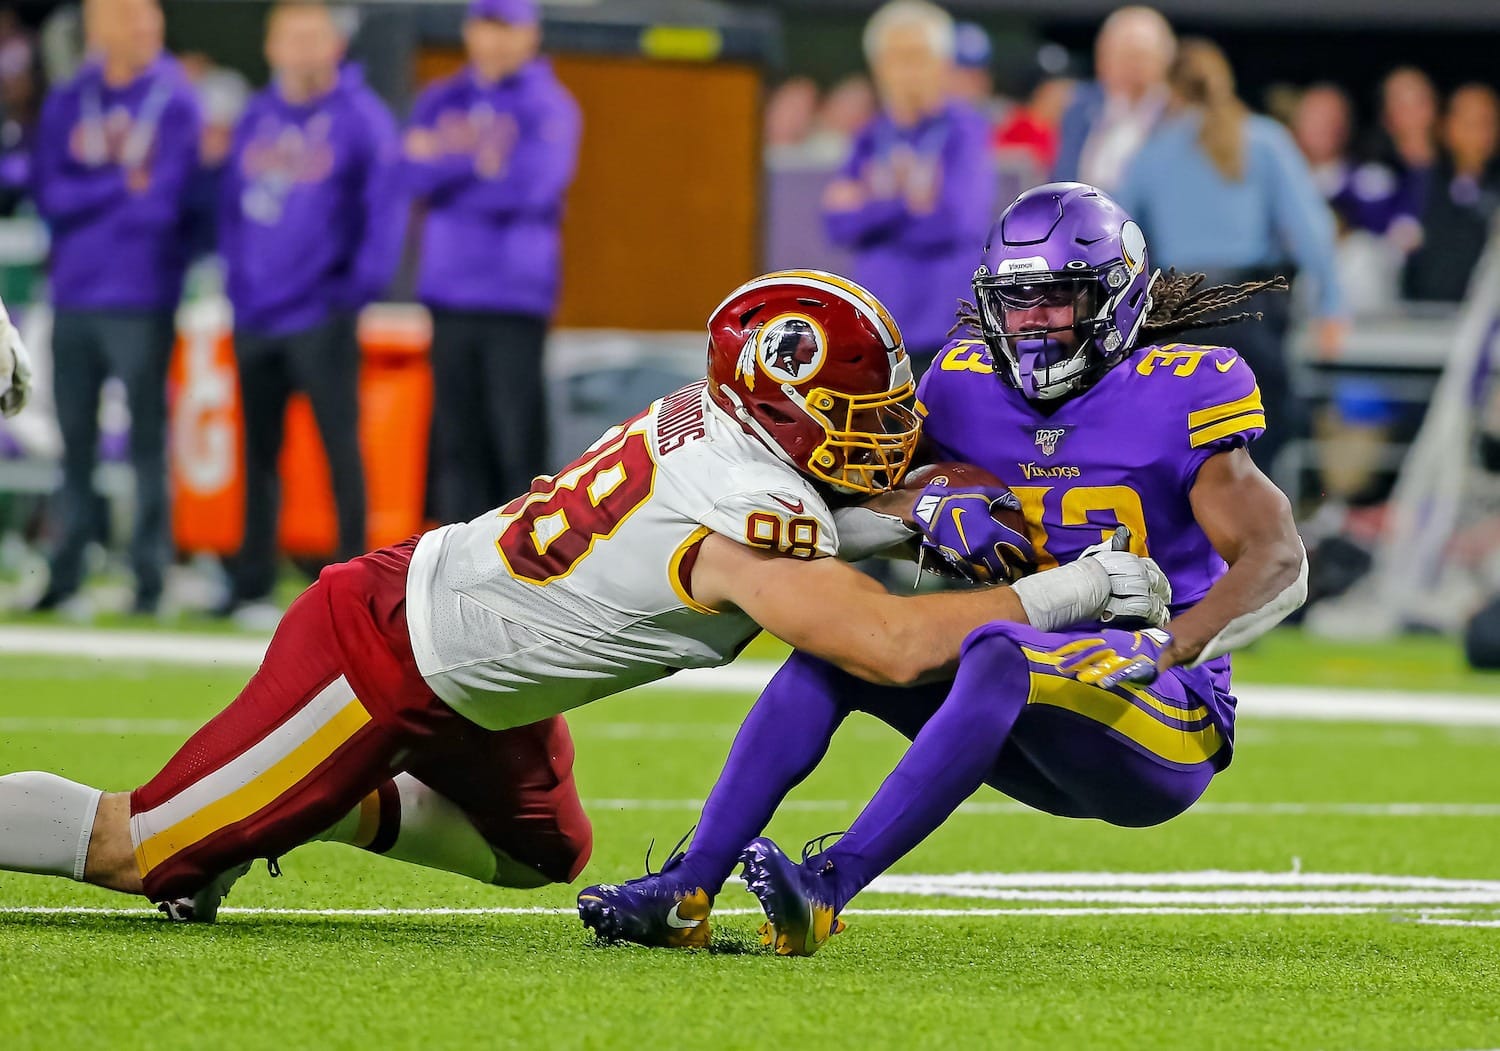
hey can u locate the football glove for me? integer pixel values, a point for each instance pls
(1095, 662)
(1106, 584)
(960, 530)
(15, 368)
(1138, 589)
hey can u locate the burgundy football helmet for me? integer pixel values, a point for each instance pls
(812, 365)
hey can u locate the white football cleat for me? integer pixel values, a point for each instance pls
(203, 907)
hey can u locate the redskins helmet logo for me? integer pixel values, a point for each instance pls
(791, 348)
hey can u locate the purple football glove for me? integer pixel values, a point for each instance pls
(960, 530)
(1099, 662)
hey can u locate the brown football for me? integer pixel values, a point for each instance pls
(965, 474)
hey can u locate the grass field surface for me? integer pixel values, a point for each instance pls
(1338, 887)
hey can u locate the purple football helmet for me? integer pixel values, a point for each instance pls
(1059, 246)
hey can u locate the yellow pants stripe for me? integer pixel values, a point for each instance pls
(1187, 747)
(1186, 715)
(246, 801)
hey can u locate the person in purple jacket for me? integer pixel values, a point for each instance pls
(116, 149)
(918, 189)
(491, 151)
(310, 229)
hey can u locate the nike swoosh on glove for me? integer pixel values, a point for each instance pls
(15, 368)
(1095, 662)
(960, 529)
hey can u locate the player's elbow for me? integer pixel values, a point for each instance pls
(1287, 566)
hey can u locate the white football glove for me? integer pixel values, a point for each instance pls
(1138, 589)
(1106, 583)
(15, 368)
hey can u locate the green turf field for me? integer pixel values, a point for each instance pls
(988, 936)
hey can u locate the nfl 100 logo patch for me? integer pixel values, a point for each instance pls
(1047, 438)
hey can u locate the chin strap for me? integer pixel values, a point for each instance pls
(1248, 627)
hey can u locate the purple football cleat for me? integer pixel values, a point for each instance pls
(658, 909)
(800, 917)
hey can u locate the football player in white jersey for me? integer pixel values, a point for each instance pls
(410, 702)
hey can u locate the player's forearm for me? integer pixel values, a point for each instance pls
(901, 641)
(1259, 577)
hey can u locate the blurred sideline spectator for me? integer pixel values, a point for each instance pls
(223, 95)
(1463, 192)
(1224, 191)
(309, 234)
(971, 79)
(20, 97)
(117, 148)
(492, 151)
(1109, 118)
(790, 111)
(1407, 141)
(916, 194)
(1354, 428)
(1030, 128)
(847, 107)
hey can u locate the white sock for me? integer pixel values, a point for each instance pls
(45, 824)
(433, 832)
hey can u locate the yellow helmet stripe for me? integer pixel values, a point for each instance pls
(842, 287)
(857, 294)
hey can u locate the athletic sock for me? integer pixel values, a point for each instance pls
(406, 820)
(45, 824)
(782, 739)
(948, 760)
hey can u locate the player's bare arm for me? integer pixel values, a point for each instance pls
(1249, 522)
(831, 610)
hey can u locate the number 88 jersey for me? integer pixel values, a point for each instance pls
(580, 588)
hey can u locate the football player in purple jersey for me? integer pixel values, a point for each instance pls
(1073, 395)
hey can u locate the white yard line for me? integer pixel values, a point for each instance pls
(1322, 703)
(919, 913)
(1208, 892)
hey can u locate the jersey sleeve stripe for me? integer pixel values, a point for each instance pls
(681, 570)
(1214, 413)
(1249, 421)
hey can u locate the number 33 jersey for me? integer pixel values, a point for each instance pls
(1125, 452)
(580, 588)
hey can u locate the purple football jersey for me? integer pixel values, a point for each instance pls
(1125, 452)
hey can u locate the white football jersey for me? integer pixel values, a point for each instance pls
(580, 588)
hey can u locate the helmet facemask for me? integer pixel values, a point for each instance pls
(870, 438)
(1046, 361)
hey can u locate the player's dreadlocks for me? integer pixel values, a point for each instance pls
(1178, 305)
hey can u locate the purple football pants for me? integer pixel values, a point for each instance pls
(1129, 756)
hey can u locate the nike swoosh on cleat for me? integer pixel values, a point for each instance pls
(675, 920)
(794, 508)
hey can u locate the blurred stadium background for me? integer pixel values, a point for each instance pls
(711, 131)
(1337, 889)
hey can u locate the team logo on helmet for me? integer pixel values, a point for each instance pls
(1048, 437)
(1132, 245)
(791, 348)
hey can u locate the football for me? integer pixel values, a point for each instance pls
(967, 474)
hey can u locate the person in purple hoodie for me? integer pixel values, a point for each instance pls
(310, 228)
(491, 151)
(918, 189)
(116, 149)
